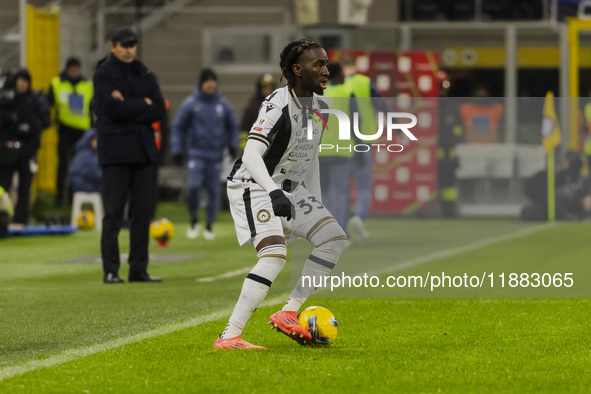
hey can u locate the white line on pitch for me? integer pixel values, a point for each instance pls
(463, 249)
(75, 354)
(229, 274)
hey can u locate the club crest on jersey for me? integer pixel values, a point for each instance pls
(283, 171)
(263, 216)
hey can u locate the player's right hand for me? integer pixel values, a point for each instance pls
(282, 206)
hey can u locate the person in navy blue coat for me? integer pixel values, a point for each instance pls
(85, 172)
(203, 127)
(127, 100)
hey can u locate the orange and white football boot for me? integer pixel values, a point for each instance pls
(236, 343)
(286, 322)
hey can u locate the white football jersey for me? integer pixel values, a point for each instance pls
(282, 125)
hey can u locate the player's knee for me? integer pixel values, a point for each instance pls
(331, 238)
(335, 246)
(271, 261)
(273, 251)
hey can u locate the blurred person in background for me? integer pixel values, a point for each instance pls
(335, 164)
(6, 212)
(162, 133)
(85, 172)
(203, 127)
(71, 94)
(572, 192)
(481, 117)
(265, 85)
(127, 100)
(450, 135)
(362, 168)
(28, 115)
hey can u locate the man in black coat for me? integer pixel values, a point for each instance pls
(127, 101)
(25, 117)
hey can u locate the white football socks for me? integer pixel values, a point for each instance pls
(318, 265)
(255, 288)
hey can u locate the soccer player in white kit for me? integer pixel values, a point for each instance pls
(274, 193)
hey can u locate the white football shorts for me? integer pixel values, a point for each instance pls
(254, 219)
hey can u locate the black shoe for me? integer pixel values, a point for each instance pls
(112, 278)
(144, 278)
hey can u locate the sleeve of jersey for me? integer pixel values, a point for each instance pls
(254, 163)
(262, 129)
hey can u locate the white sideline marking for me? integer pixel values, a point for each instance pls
(74, 354)
(229, 274)
(462, 249)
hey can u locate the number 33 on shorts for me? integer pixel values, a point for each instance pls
(308, 204)
(252, 212)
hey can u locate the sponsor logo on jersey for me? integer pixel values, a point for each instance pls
(269, 107)
(263, 216)
(258, 128)
(283, 171)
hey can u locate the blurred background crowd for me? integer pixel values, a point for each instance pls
(481, 67)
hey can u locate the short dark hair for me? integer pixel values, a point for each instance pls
(206, 75)
(290, 55)
(73, 62)
(335, 70)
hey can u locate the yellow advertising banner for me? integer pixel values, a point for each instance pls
(494, 57)
(43, 63)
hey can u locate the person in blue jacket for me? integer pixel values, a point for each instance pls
(204, 125)
(85, 171)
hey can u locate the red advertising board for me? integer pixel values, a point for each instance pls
(404, 182)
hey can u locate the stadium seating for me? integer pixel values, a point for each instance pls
(493, 173)
(530, 160)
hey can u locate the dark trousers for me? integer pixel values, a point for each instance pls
(201, 172)
(25, 177)
(136, 184)
(68, 137)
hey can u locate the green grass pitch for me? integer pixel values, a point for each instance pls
(63, 330)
